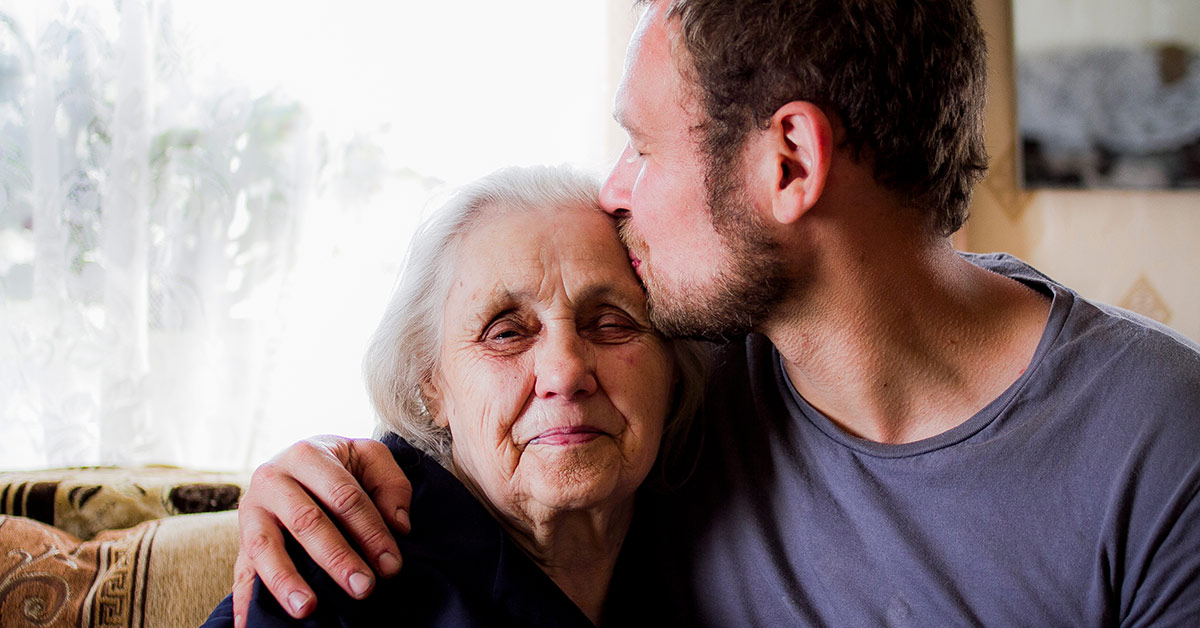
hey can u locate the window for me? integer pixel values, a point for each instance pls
(204, 204)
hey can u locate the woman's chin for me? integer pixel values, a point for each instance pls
(578, 476)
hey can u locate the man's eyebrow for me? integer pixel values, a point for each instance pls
(630, 128)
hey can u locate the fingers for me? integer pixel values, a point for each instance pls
(243, 589)
(372, 463)
(285, 492)
(333, 473)
(280, 497)
(262, 550)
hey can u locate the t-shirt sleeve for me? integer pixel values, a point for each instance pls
(1160, 583)
(1166, 589)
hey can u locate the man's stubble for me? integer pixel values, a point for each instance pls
(749, 284)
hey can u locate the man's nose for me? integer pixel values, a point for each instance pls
(614, 194)
(565, 367)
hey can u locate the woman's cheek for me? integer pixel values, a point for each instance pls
(648, 362)
(488, 376)
(640, 381)
(497, 389)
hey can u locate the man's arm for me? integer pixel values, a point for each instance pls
(354, 481)
(1160, 585)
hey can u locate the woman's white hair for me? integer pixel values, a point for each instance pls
(402, 355)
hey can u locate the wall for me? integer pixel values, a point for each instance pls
(1057, 24)
(1139, 250)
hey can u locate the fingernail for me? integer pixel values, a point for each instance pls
(388, 564)
(359, 583)
(402, 519)
(297, 600)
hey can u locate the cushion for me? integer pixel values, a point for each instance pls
(166, 572)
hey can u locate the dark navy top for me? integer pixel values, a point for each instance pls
(460, 569)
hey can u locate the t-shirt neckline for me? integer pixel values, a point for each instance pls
(1006, 265)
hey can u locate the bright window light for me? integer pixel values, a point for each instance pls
(274, 157)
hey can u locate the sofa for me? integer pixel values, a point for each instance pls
(95, 547)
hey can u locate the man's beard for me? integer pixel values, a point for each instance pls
(749, 285)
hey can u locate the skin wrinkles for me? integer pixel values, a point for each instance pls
(550, 378)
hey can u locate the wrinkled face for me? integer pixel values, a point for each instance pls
(551, 380)
(703, 279)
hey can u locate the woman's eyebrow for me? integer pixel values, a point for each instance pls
(501, 299)
(596, 293)
(494, 302)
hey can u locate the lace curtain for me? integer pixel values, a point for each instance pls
(146, 233)
(190, 267)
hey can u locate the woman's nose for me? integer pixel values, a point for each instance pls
(565, 368)
(614, 194)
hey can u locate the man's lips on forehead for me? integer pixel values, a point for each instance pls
(629, 242)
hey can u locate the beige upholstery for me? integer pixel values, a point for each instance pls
(166, 570)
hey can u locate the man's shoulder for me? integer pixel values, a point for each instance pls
(1008, 265)
(1136, 380)
(1139, 355)
(1092, 331)
(1137, 343)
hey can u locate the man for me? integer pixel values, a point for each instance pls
(896, 434)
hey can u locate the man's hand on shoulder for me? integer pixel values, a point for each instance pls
(354, 481)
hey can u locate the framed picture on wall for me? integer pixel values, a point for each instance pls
(1108, 93)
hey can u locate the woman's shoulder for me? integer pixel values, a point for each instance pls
(460, 567)
(447, 520)
(422, 470)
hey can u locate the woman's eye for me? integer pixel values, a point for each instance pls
(613, 328)
(612, 322)
(503, 331)
(502, 334)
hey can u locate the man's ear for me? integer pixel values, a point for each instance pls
(804, 149)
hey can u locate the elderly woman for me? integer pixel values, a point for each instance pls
(522, 390)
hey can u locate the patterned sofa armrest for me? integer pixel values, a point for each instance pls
(86, 500)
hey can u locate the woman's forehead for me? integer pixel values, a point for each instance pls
(546, 235)
(532, 254)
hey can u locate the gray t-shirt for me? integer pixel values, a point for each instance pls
(1068, 501)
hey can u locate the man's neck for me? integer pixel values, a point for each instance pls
(905, 344)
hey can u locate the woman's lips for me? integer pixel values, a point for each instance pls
(562, 436)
